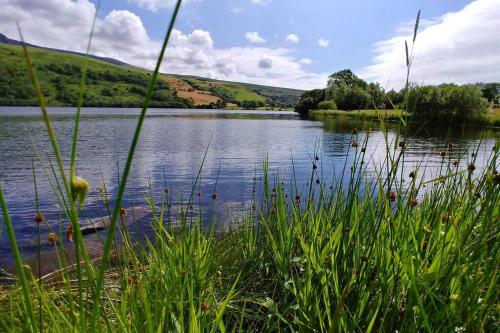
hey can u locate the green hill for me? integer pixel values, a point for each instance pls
(115, 84)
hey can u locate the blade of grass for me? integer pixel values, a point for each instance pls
(126, 170)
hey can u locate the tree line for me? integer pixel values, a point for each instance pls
(445, 102)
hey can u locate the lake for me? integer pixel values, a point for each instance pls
(171, 151)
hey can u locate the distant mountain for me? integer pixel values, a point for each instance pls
(115, 83)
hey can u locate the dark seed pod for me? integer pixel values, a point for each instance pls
(39, 217)
(471, 167)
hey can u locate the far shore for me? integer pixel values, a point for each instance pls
(492, 119)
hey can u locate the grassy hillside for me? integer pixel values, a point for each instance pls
(116, 85)
(245, 94)
(59, 74)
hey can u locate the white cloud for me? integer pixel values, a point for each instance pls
(305, 61)
(120, 34)
(261, 2)
(155, 5)
(254, 37)
(323, 42)
(292, 38)
(461, 47)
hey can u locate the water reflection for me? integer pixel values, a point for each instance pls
(172, 147)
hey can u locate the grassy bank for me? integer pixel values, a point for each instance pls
(492, 118)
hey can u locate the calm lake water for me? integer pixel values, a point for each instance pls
(171, 150)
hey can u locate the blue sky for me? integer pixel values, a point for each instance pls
(276, 42)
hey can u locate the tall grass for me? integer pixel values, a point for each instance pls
(378, 254)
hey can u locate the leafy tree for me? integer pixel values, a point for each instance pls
(350, 97)
(310, 100)
(396, 97)
(377, 95)
(447, 103)
(347, 77)
(490, 91)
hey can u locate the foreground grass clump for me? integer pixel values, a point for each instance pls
(372, 256)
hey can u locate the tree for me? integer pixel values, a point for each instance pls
(490, 91)
(377, 95)
(349, 98)
(310, 100)
(347, 77)
(447, 103)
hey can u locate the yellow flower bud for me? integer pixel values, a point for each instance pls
(79, 189)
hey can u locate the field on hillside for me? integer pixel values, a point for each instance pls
(114, 85)
(60, 73)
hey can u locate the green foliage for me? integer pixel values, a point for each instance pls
(346, 77)
(447, 103)
(327, 105)
(59, 75)
(349, 97)
(491, 91)
(352, 93)
(310, 100)
(396, 97)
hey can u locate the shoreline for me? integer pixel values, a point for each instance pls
(493, 119)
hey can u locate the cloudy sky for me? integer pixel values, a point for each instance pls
(289, 43)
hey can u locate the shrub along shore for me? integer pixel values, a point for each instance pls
(445, 103)
(491, 118)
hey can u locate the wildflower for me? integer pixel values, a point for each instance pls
(354, 144)
(52, 238)
(69, 233)
(454, 297)
(123, 212)
(412, 174)
(471, 167)
(443, 153)
(402, 143)
(413, 202)
(39, 217)
(392, 196)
